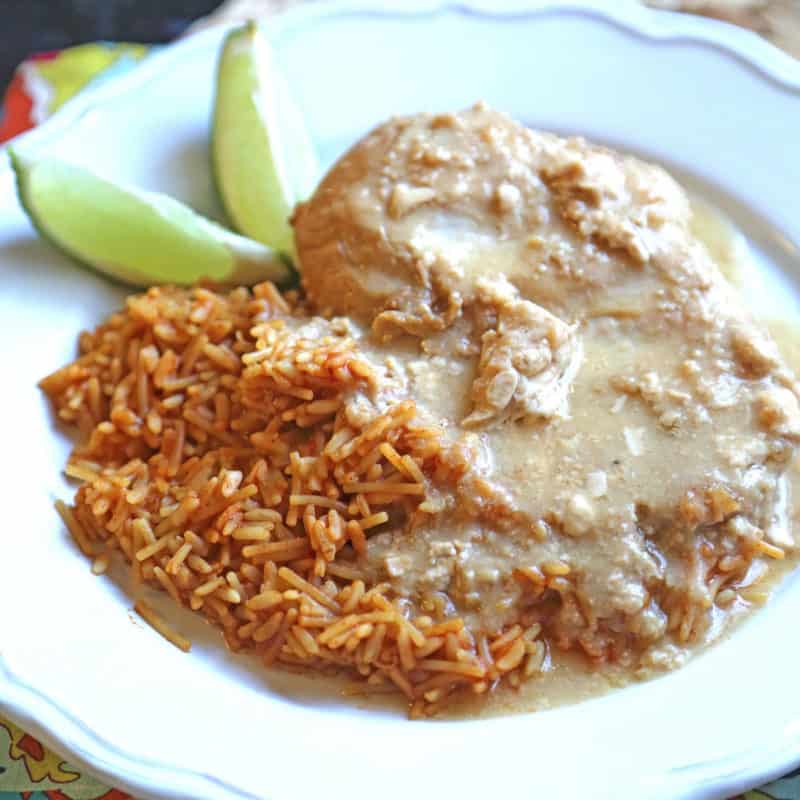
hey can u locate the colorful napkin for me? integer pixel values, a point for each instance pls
(41, 85)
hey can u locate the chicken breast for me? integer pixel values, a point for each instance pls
(624, 428)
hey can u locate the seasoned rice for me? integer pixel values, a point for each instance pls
(216, 455)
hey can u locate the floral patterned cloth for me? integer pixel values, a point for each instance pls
(28, 770)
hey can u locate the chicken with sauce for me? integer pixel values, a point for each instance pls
(628, 429)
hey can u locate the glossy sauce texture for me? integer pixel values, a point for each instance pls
(628, 429)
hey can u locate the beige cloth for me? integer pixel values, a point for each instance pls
(776, 20)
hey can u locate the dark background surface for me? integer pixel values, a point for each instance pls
(28, 26)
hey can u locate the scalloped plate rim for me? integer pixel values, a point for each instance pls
(85, 747)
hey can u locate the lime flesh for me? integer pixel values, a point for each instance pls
(263, 159)
(137, 237)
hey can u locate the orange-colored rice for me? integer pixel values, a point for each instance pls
(216, 456)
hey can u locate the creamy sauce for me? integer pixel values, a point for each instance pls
(567, 679)
(725, 244)
(617, 430)
(728, 246)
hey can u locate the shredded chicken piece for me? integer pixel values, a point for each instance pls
(527, 362)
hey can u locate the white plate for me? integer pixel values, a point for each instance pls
(715, 104)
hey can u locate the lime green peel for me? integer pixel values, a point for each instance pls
(263, 158)
(138, 237)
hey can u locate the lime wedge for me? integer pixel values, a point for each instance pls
(263, 158)
(137, 237)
